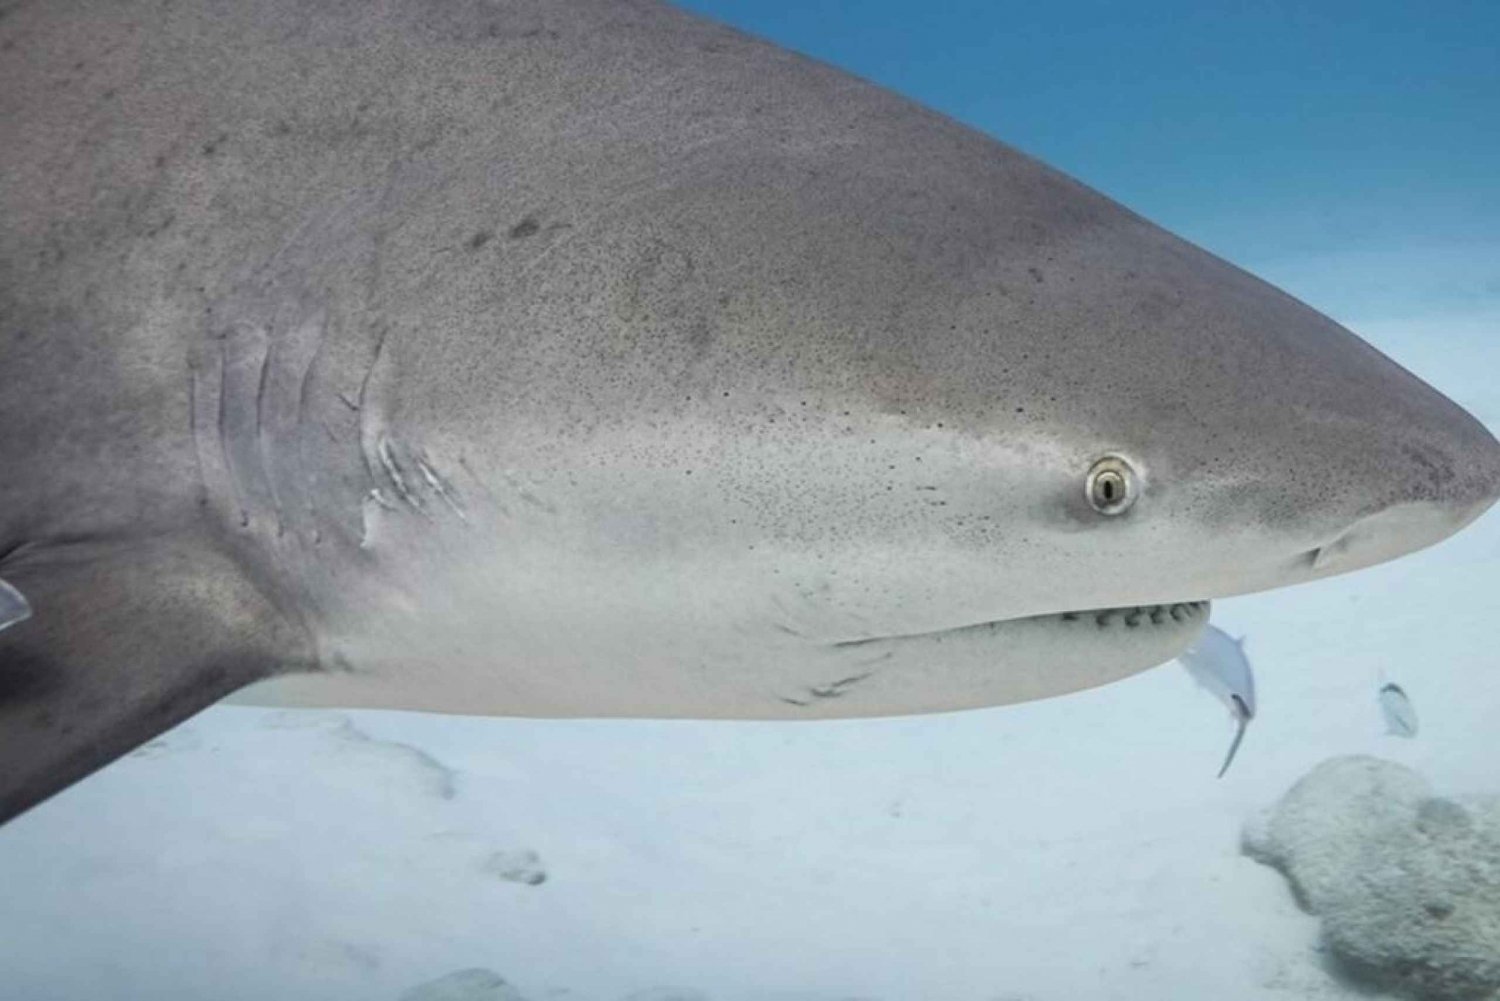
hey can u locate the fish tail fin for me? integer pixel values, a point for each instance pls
(14, 607)
(1234, 746)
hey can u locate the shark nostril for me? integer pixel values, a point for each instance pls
(1336, 550)
(1387, 533)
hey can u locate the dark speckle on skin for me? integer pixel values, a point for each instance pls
(526, 227)
(1036, 274)
(1438, 470)
(700, 337)
(162, 225)
(480, 238)
(212, 146)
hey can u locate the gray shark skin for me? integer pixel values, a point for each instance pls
(589, 358)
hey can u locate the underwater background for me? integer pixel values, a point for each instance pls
(1075, 848)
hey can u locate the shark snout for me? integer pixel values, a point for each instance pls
(1435, 483)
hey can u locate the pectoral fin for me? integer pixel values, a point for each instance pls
(123, 640)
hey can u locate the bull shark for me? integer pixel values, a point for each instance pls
(589, 358)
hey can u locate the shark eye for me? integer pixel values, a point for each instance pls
(1111, 486)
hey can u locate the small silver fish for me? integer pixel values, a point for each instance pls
(1217, 661)
(13, 606)
(1400, 717)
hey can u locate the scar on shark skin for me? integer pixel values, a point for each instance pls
(832, 690)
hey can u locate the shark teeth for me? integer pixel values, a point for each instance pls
(1133, 617)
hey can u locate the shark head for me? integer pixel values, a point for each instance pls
(806, 401)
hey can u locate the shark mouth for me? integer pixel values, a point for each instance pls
(1182, 614)
(998, 662)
